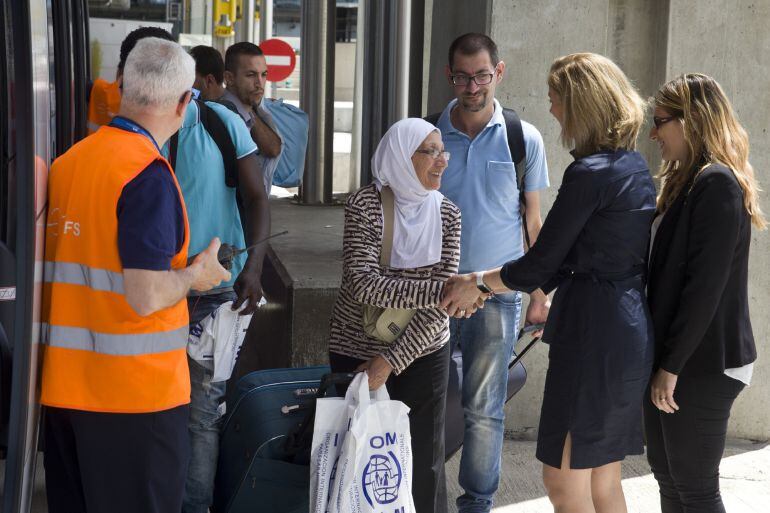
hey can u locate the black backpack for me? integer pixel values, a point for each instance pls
(518, 150)
(218, 131)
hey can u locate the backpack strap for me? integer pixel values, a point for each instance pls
(218, 132)
(433, 118)
(173, 145)
(386, 196)
(230, 105)
(515, 134)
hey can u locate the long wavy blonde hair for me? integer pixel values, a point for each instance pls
(602, 109)
(712, 134)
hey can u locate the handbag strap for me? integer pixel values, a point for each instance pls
(386, 245)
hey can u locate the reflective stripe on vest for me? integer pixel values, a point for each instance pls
(100, 354)
(117, 345)
(79, 274)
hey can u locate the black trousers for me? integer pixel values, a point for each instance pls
(422, 387)
(115, 462)
(684, 448)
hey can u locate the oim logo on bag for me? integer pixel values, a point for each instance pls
(381, 478)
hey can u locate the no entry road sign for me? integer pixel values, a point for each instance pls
(280, 58)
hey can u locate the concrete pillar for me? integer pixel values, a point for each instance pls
(449, 20)
(652, 42)
(528, 41)
(733, 50)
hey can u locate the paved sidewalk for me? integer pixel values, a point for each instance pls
(745, 480)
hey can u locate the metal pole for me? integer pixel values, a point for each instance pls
(266, 30)
(401, 12)
(317, 97)
(354, 178)
(386, 72)
(266, 19)
(240, 28)
(248, 19)
(222, 43)
(417, 44)
(375, 25)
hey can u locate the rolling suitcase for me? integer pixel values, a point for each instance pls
(265, 407)
(266, 440)
(455, 421)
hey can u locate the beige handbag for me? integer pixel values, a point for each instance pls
(386, 324)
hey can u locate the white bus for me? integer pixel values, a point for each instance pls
(44, 68)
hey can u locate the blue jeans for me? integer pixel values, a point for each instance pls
(205, 420)
(486, 341)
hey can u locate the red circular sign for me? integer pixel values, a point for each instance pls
(280, 58)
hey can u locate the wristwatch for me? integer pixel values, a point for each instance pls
(481, 285)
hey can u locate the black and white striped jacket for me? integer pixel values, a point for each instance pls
(364, 281)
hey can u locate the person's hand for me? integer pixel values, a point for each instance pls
(461, 296)
(248, 288)
(466, 311)
(662, 391)
(208, 271)
(537, 312)
(378, 370)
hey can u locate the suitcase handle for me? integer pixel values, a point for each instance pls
(525, 330)
(303, 434)
(334, 379)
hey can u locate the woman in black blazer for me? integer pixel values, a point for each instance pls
(697, 289)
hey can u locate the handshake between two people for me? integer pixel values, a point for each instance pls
(464, 294)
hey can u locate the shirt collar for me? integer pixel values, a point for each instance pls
(192, 115)
(132, 126)
(445, 120)
(243, 110)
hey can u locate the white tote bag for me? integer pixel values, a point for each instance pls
(332, 419)
(374, 469)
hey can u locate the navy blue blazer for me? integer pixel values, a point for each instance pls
(593, 245)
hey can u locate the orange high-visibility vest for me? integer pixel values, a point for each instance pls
(100, 355)
(103, 105)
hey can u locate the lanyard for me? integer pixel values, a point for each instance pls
(131, 126)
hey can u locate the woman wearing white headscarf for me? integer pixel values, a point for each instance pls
(425, 252)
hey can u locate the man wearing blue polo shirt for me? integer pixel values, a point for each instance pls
(481, 180)
(212, 209)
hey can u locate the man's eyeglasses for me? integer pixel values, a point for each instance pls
(479, 79)
(659, 122)
(434, 153)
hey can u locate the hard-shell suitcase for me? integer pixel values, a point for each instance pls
(265, 407)
(455, 421)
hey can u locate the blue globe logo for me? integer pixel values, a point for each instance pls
(382, 478)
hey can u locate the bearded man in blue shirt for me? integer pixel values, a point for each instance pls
(481, 179)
